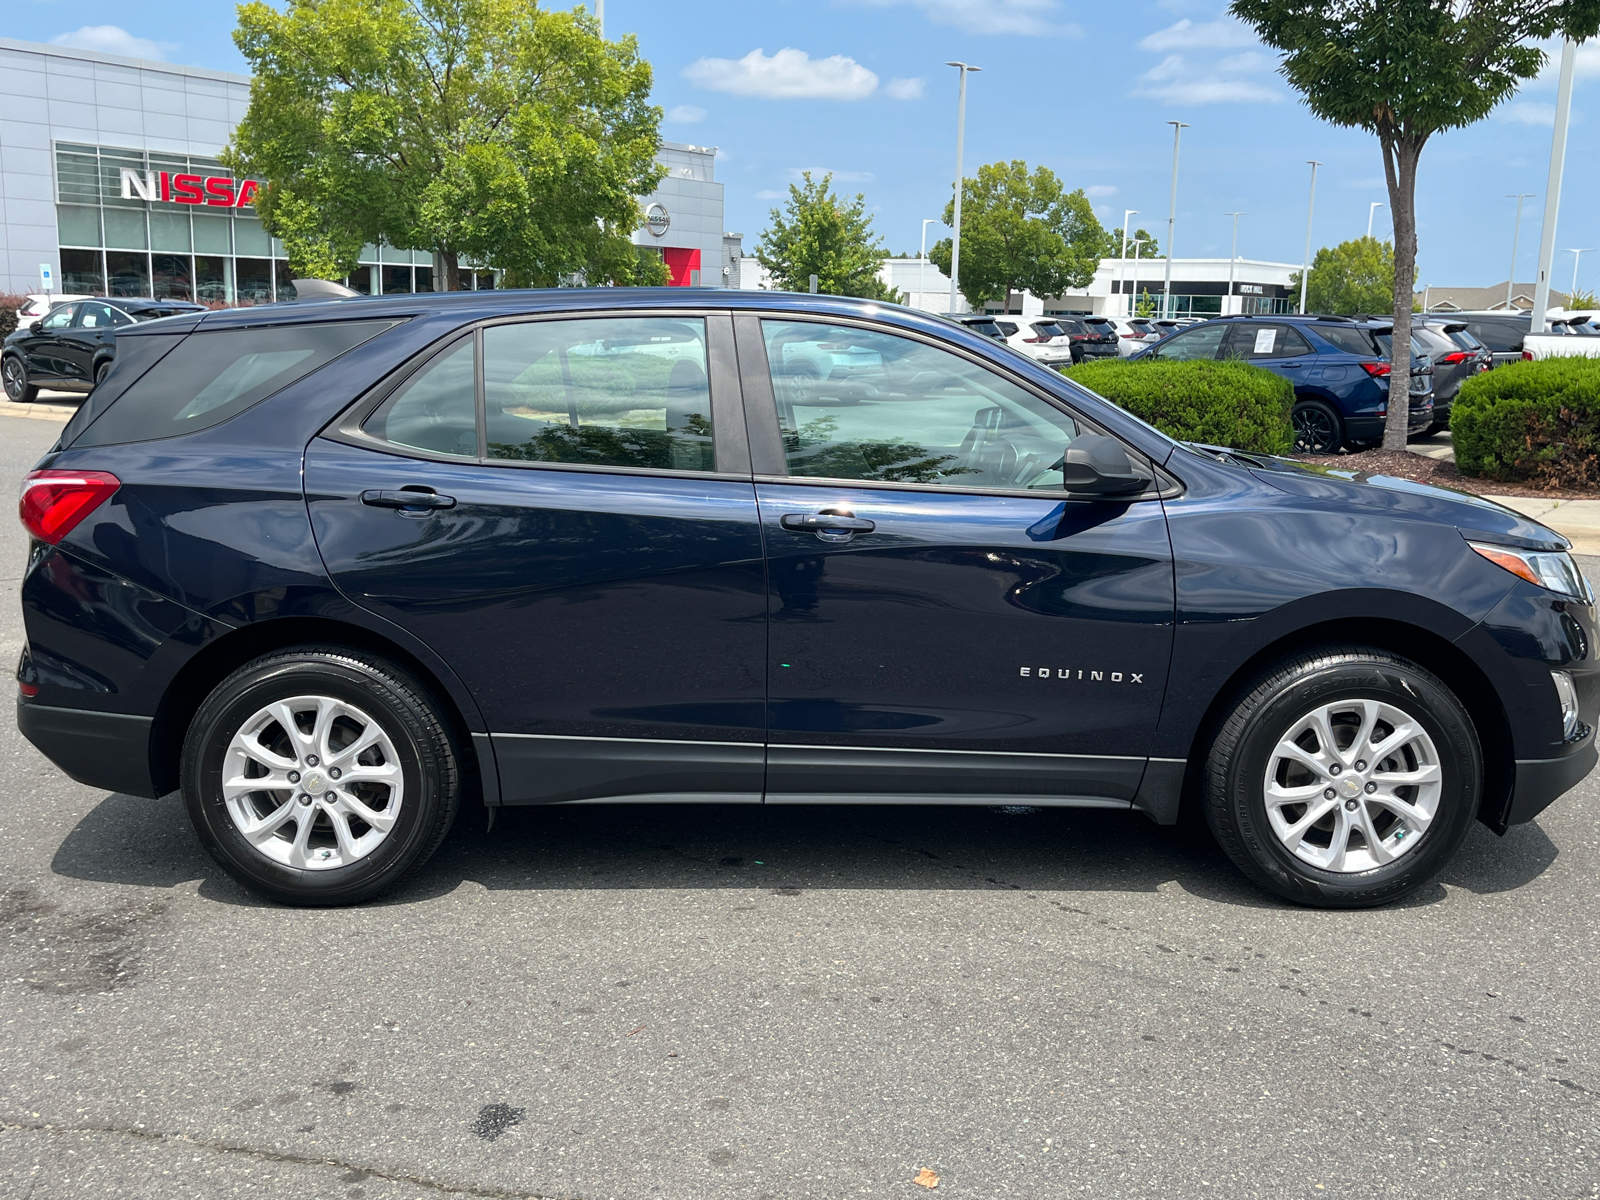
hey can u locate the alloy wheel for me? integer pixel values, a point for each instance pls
(16, 379)
(1353, 785)
(312, 782)
(1314, 431)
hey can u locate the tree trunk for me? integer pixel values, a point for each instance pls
(451, 261)
(1400, 162)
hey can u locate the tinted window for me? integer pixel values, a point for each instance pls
(60, 317)
(94, 315)
(882, 408)
(1007, 327)
(1499, 336)
(436, 409)
(1266, 342)
(211, 377)
(1352, 339)
(618, 391)
(1465, 340)
(1203, 342)
(1075, 328)
(987, 328)
(1048, 329)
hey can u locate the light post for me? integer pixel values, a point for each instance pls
(1576, 255)
(1552, 190)
(1512, 282)
(922, 271)
(1371, 210)
(1233, 255)
(1172, 215)
(1311, 205)
(1133, 296)
(600, 15)
(1123, 257)
(961, 133)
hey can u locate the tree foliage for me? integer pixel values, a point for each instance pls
(821, 233)
(1148, 248)
(1353, 277)
(1404, 70)
(1022, 231)
(487, 129)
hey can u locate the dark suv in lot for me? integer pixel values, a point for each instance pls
(336, 571)
(1339, 367)
(71, 347)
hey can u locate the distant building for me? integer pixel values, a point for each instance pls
(683, 217)
(1484, 299)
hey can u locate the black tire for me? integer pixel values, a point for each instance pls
(1317, 428)
(14, 372)
(101, 371)
(1235, 777)
(430, 765)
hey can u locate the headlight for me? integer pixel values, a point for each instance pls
(1552, 569)
(1568, 695)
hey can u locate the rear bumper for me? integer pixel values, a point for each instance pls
(1369, 427)
(110, 751)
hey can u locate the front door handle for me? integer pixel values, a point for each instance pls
(403, 498)
(828, 526)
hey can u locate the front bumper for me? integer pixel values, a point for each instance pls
(1542, 781)
(110, 751)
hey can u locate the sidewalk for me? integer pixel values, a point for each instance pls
(51, 406)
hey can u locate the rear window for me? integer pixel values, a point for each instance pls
(1465, 340)
(1500, 336)
(987, 328)
(1350, 338)
(1047, 329)
(1071, 327)
(210, 377)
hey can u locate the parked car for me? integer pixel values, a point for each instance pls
(1453, 363)
(1499, 330)
(1090, 337)
(1339, 367)
(1133, 334)
(1040, 338)
(1568, 337)
(37, 304)
(71, 348)
(339, 570)
(984, 324)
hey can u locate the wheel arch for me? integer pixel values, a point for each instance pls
(209, 666)
(1454, 667)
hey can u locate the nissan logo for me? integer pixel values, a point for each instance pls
(657, 220)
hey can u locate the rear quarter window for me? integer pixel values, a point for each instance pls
(213, 376)
(1349, 338)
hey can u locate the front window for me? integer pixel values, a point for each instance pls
(875, 407)
(59, 317)
(1191, 344)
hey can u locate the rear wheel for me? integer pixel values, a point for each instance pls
(1344, 778)
(1317, 428)
(15, 376)
(319, 776)
(101, 372)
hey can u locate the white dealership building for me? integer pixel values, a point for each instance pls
(110, 184)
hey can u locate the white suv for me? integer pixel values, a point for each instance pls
(1040, 338)
(1133, 334)
(35, 306)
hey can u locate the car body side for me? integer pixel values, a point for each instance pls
(206, 558)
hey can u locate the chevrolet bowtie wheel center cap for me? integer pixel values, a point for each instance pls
(1350, 786)
(314, 782)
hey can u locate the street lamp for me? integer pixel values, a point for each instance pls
(1172, 215)
(1372, 209)
(1133, 305)
(1123, 257)
(1233, 255)
(961, 133)
(600, 15)
(922, 271)
(1552, 187)
(1576, 255)
(1512, 282)
(1305, 271)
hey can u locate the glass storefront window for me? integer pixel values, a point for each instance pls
(285, 278)
(125, 229)
(170, 231)
(485, 279)
(210, 278)
(424, 279)
(250, 238)
(78, 225)
(252, 280)
(396, 280)
(212, 235)
(129, 274)
(172, 277)
(360, 280)
(83, 272)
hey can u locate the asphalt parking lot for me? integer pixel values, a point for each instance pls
(699, 1003)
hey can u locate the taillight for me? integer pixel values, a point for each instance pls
(1376, 369)
(1457, 356)
(1527, 356)
(54, 502)
(1034, 341)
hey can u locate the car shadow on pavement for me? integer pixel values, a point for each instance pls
(148, 843)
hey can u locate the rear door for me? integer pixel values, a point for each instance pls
(945, 626)
(1279, 348)
(90, 338)
(562, 509)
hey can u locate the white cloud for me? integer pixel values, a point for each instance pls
(787, 75)
(1214, 91)
(685, 114)
(817, 173)
(1587, 66)
(1206, 35)
(113, 39)
(1530, 112)
(1034, 18)
(905, 89)
(1100, 189)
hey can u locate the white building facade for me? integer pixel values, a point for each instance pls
(110, 185)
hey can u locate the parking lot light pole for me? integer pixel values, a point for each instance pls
(1311, 205)
(1172, 216)
(1371, 211)
(922, 271)
(1133, 296)
(1123, 257)
(600, 15)
(1552, 190)
(961, 133)
(1517, 229)
(1233, 255)
(1576, 255)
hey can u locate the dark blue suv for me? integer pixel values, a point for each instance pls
(338, 570)
(1339, 367)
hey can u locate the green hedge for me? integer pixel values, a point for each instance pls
(1218, 403)
(1531, 422)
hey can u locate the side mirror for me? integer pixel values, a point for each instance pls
(1099, 466)
(35, 326)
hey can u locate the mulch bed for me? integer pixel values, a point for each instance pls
(1406, 465)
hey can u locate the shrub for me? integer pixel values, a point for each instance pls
(10, 303)
(1218, 403)
(1531, 422)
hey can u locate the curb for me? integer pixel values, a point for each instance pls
(37, 412)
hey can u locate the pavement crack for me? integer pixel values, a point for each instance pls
(277, 1156)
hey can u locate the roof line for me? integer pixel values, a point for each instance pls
(120, 60)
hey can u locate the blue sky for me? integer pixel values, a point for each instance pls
(858, 87)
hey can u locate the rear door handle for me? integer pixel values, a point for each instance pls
(828, 526)
(387, 498)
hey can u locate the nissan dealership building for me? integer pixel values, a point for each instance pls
(110, 184)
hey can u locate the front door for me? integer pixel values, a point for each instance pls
(46, 350)
(945, 625)
(562, 510)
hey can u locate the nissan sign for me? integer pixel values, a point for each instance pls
(218, 191)
(657, 220)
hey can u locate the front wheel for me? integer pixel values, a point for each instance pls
(15, 377)
(1345, 778)
(319, 776)
(1317, 428)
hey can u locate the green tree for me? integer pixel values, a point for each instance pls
(1405, 70)
(482, 129)
(1147, 248)
(1353, 277)
(825, 235)
(1022, 231)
